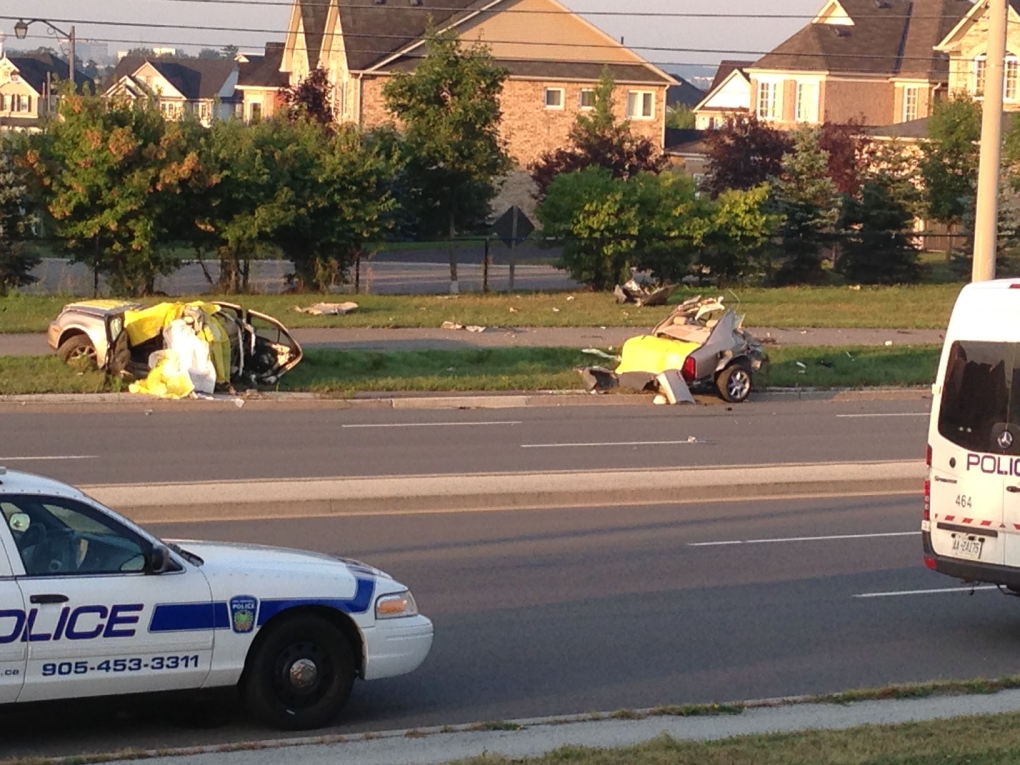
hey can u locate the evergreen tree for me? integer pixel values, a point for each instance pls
(809, 203)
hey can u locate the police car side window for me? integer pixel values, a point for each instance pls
(64, 537)
(981, 390)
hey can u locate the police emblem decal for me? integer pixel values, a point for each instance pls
(1005, 439)
(242, 613)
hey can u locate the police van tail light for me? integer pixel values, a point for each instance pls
(689, 370)
(927, 499)
(927, 456)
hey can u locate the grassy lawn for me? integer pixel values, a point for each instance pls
(917, 307)
(332, 372)
(988, 740)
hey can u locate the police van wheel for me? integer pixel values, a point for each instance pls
(300, 675)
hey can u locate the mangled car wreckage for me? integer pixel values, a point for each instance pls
(700, 346)
(175, 349)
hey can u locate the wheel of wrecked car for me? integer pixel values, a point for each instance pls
(77, 351)
(734, 383)
(300, 674)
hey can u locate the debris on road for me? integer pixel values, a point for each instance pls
(328, 309)
(640, 294)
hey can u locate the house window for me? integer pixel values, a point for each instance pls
(979, 76)
(239, 110)
(807, 102)
(255, 114)
(641, 105)
(767, 102)
(3, 102)
(554, 98)
(1010, 76)
(204, 111)
(587, 98)
(23, 104)
(911, 96)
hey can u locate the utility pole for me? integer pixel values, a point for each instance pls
(986, 217)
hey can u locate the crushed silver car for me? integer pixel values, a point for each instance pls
(126, 339)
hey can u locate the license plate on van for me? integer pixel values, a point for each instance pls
(967, 547)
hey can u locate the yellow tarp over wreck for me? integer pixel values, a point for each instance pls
(146, 323)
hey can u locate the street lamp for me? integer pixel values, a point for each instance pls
(21, 32)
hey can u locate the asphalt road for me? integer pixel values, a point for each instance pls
(570, 611)
(94, 444)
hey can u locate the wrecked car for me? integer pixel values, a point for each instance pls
(218, 344)
(700, 346)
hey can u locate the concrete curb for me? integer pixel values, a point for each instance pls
(411, 401)
(324, 497)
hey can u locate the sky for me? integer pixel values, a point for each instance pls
(682, 38)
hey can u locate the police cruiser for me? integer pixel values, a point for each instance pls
(93, 605)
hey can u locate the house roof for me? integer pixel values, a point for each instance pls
(263, 71)
(34, 68)
(196, 78)
(685, 94)
(686, 141)
(917, 130)
(725, 69)
(886, 37)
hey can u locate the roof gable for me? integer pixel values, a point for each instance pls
(195, 79)
(733, 93)
(952, 37)
(36, 69)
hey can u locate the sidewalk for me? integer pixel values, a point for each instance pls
(534, 738)
(550, 337)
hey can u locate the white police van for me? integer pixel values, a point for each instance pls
(92, 605)
(971, 524)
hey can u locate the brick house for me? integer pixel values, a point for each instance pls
(877, 62)
(28, 88)
(555, 59)
(260, 81)
(205, 87)
(966, 45)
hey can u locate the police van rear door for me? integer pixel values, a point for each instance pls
(975, 501)
(13, 652)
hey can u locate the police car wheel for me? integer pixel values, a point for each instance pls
(300, 675)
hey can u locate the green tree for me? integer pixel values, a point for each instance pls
(809, 203)
(110, 172)
(949, 160)
(680, 117)
(737, 246)
(347, 202)
(450, 112)
(597, 139)
(16, 221)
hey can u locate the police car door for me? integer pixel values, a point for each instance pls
(12, 612)
(96, 622)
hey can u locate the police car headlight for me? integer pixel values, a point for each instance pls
(396, 606)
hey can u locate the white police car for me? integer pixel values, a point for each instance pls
(92, 605)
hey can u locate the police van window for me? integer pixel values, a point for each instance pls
(981, 390)
(63, 537)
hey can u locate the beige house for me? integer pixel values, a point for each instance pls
(729, 96)
(204, 87)
(260, 82)
(555, 59)
(28, 88)
(876, 62)
(966, 45)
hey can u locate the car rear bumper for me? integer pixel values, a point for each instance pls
(53, 336)
(396, 646)
(968, 570)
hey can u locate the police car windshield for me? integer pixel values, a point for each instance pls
(981, 395)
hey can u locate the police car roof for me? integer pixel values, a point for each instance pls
(17, 482)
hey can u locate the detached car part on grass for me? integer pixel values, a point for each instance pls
(700, 346)
(129, 340)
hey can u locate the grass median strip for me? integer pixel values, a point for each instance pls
(345, 373)
(914, 307)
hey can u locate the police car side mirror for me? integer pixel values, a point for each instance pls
(158, 560)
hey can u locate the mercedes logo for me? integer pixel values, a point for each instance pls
(1005, 439)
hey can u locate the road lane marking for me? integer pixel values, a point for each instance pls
(49, 458)
(924, 592)
(893, 414)
(802, 539)
(432, 424)
(686, 441)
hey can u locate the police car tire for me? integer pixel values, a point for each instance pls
(311, 638)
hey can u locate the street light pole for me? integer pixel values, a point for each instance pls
(986, 214)
(21, 31)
